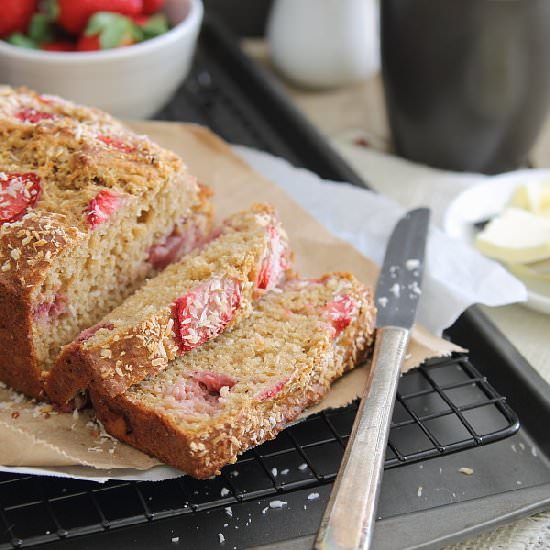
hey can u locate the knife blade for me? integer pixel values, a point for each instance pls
(348, 521)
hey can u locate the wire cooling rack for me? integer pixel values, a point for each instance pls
(444, 406)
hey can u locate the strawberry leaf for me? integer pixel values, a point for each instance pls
(39, 28)
(155, 26)
(113, 29)
(50, 8)
(18, 39)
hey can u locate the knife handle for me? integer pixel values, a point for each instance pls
(348, 522)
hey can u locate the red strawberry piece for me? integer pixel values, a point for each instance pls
(205, 311)
(214, 381)
(152, 6)
(73, 15)
(273, 390)
(116, 143)
(51, 309)
(140, 19)
(33, 116)
(174, 246)
(275, 261)
(58, 47)
(89, 332)
(340, 312)
(19, 191)
(88, 43)
(15, 15)
(102, 207)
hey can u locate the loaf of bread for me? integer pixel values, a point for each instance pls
(189, 303)
(242, 388)
(88, 210)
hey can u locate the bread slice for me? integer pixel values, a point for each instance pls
(242, 388)
(88, 210)
(189, 303)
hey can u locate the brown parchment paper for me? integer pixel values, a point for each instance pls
(33, 435)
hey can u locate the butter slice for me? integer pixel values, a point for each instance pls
(533, 197)
(516, 236)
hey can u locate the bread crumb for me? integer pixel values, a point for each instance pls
(313, 496)
(278, 504)
(466, 471)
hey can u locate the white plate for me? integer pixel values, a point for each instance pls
(484, 201)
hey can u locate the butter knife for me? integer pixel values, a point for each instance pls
(348, 522)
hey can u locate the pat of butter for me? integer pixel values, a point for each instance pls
(533, 197)
(516, 236)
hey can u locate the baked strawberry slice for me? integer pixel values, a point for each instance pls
(19, 192)
(86, 334)
(271, 392)
(102, 207)
(214, 381)
(275, 261)
(33, 116)
(116, 143)
(52, 309)
(340, 312)
(205, 311)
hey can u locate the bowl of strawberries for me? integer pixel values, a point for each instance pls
(126, 57)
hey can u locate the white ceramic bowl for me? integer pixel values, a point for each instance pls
(132, 82)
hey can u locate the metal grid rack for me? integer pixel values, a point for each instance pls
(443, 407)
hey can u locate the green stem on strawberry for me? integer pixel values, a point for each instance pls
(40, 30)
(19, 39)
(155, 26)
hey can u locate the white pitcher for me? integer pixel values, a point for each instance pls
(324, 43)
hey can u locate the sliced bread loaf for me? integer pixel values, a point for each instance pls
(242, 388)
(88, 210)
(189, 303)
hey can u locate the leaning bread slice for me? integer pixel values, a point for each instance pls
(241, 389)
(189, 303)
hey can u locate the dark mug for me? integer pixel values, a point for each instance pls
(467, 82)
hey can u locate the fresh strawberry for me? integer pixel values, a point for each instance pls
(205, 311)
(88, 43)
(19, 191)
(140, 19)
(33, 116)
(102, 207)
(73, 15)
(58, 47)
(340, 312)
(152, 6)
(116, 143)
(113, 30)
(15, 15)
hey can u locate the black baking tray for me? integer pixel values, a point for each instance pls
(276, 493)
